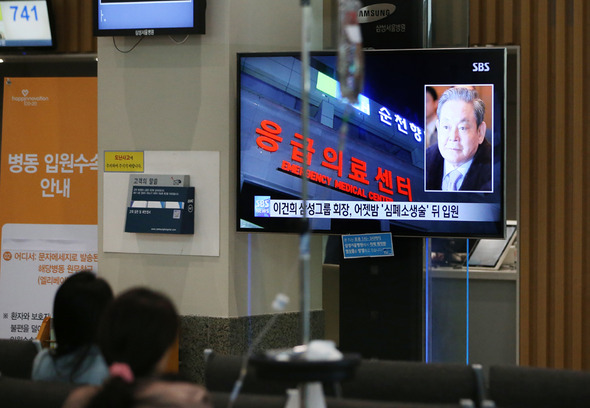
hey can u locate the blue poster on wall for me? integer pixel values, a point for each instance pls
(367, 245)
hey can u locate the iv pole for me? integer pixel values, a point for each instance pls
(304, 244)
(353, 71)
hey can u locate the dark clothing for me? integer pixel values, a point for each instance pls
(478, 178)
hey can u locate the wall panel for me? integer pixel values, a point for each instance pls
(554, 177)
(73, 26)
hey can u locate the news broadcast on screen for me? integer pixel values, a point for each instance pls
(370, 167)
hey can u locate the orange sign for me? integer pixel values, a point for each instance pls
(48, 171)
(48, 194)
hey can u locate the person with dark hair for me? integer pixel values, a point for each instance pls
(77, 307)
(462, 158)
(136, 335)
(139, 329)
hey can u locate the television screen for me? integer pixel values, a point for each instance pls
(147, 18)
(374, 167)
(26, 25)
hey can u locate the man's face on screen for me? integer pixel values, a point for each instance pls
(458, 133)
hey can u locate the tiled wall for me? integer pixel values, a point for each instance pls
(234, 335)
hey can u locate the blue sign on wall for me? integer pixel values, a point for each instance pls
(367, 245)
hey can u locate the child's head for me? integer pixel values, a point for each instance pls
(138, 328)
(78, 305)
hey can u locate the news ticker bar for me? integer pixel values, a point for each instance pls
(264, 206)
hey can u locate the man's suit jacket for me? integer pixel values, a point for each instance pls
(478, 178)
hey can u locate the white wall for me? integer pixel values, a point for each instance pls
(167, 96)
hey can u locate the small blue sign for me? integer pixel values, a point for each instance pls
(367, 245)
(262, 206)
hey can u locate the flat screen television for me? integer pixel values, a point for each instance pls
(377, 176)
(26, 26)
(148, 17)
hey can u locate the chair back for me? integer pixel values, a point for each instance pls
(222, 371)
(530, 387)
(16, 358)
(413, 381)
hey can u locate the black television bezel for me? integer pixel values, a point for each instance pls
(361, 226)
(37, 49)
(199, 10)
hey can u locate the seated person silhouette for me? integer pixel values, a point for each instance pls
(137, 334)
(462, 158)
(77, 307)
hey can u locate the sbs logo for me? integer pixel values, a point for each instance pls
(481, 66)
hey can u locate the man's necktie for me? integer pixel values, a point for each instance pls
(454, 177)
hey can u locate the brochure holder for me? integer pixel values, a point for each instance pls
(160, 204)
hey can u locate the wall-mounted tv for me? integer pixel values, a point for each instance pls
(382, 174)
(26, 26)
(148, 17)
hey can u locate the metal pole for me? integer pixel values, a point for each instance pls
(304, 256)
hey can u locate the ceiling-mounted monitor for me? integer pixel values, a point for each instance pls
(26, 26)
(148, 17)
(372, 168)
